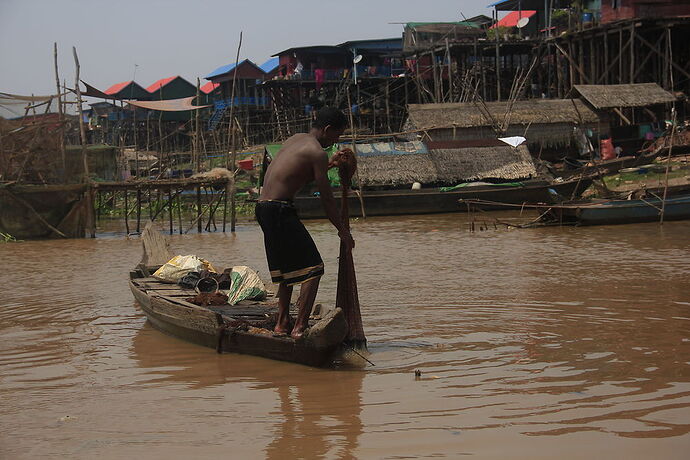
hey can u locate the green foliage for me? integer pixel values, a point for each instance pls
(499, 32)
(616, 180)
(559, 18)
(7, 238)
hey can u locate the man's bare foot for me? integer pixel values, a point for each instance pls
(283, 326)
(280, 329)
(297, 333)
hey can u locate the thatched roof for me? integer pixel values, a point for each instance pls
(631, 95)
(444, 166)
(532, 111)
(394, 163)
(469, 164)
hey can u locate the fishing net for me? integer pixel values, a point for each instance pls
(347, 297)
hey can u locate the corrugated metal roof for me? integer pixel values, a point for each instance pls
(416, 25)
(117, 87)
(229, 68)
(380, 43)
(314, 48)
(221, 70)
(208, 87)
(515, 5)
(512, 18)
(270, 64)
(160, 83)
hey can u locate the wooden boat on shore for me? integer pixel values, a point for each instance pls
(433, 200)
(245, 327)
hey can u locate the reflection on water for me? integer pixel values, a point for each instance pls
(569, 342)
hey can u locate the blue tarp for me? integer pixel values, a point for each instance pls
(391, 148)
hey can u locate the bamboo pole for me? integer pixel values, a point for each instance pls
(498, 70)
(126, 212)
(673, 131)
(170, 209)
(60, 113)
(354, 151)
(179, 213)
(668, 168)
(632, 53)
(198, 209)
(198, 219)
(90, 220)
(138, 210)
(212, 212)
(195, 144)
(231, 166)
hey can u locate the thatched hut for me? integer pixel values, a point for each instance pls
(635, 112)
(548, 124)
(400, 164)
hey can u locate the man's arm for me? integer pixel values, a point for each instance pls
(327, 200)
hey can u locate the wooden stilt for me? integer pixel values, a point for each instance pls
(198, 209)
(170, 209)
(126, 212)
(138, 210)
(179, 213)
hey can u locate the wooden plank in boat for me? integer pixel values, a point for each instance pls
(156, 287)
(148, 279)
(185, 314)
(230, 310)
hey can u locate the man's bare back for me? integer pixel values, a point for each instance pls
(293, 167)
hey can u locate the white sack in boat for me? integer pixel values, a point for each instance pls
(179, 266)
(246, 284)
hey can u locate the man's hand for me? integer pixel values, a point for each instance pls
(342, 157)
(346, 237)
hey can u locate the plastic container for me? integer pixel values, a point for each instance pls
(587, 19)
(247, 165)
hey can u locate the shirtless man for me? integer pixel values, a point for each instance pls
(292, 255)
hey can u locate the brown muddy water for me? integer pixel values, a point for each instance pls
(533, 344)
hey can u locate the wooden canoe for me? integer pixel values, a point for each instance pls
(433, 200)
(241, 328)
(604, 212)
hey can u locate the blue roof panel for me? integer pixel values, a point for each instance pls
(220, 71)
(270, 64)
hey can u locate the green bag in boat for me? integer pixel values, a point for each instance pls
(246, 284)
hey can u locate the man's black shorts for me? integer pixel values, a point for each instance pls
(291, 252)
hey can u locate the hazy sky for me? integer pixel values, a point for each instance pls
(188, 38)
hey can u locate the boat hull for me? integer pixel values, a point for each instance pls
(625, 211)
(209, 328)
(433, 201)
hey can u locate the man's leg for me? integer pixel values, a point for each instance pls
(284, 296)
(307, 296)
